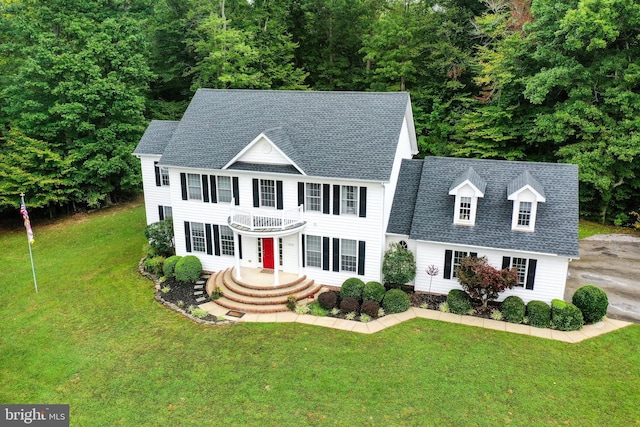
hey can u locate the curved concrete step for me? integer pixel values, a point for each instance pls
(266, 287)
(232, 284)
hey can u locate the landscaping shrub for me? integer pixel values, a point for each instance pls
(565, 316)
(169, 267)
(373, 291)
(160, 237)
(539, 314)
(292, 302)
(398, 265)
(395, 301)
(188, 269)
(370, 308)
(352, 287)
(513, 309)
(592, 302)
(349, 305)
(154, 265)
(458, 301)
(328, 300)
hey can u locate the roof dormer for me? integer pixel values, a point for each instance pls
(467, 188)
(526, 193)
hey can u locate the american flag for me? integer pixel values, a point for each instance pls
(27, 223)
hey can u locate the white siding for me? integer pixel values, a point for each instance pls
(154, 196)
(263, 151)
(550, 278)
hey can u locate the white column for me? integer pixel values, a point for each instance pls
(300, 254)
(276, 261)
(236, 252)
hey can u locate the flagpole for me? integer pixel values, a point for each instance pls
(33, 268)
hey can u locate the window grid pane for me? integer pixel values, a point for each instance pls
(520, 264)
(164, 174)
(193, 183)
(267, 193)
(224, 189)
(349, 199)
(348, 255)
(524, 214)
(465, 208)
(168, 212)
(226, 240)
(457, 257)
(314, 197)
(314, 251)
(197, 237)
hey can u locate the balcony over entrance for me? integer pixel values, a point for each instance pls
(266, 221)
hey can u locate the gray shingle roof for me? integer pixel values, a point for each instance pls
(156, 137)
(523, 180)
(404, 199)
(263, 167)
(556, 228)
(472, 176)
(350, 135)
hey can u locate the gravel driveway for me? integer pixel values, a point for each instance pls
(612, 263)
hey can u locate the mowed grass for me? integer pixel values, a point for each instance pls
(95, 338)
(589, 228)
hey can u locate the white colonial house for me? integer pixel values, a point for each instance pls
(319, 183)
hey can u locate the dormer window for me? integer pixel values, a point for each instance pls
(467, 188)
(526, 193)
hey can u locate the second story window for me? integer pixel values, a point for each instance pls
(194, 186)
(164, 175)
(267, 193)
(349, 203)
(313, 196)
(225, 194)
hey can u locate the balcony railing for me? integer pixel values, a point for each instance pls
(266, 220)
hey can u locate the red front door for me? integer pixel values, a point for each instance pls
(267, 253)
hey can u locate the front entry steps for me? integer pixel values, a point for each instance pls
(256, 297)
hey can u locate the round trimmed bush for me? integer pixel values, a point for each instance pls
(349, 305)
(370, 308)
(539, 314)
(328, 300)
(169, 267)
(395, 301)
(513, 309)
(459, 301)
(565, 316)
(352, 287)
(188, 269)
(592, 302)
(373, 291)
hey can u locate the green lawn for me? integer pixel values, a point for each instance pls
(95, 338)
(589, 228)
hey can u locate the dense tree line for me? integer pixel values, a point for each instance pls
(537, 80)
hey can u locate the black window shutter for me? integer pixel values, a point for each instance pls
(214, 189)
(216, 239)
(161, 213)
(304, 254)
(336, 200)
(256, 193)
(361, 253)
(157, 170)
(187, 236)
(236, 190)
(279, 202)
(207, 235)
(326, 190)
(183, 185)
(473, 254)
(301, 193)
(336, 254)
(531, 273)
(205, 188)
(239, 246)
(506, 262)
(325, 253)
(448, 257)
(363, 202)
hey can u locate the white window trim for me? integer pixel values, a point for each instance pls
(227, 243)
(189, 186)
(164, 176)
(466, 189)
(525, 194)
(308, 197)
(264, 184)
(354, 256)
(318, 252)
(525, 273)
(192, 229)
(344, 200)
(230, 189)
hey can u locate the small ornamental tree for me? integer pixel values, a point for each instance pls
(483, 281)
(398, 265)
(160, 236)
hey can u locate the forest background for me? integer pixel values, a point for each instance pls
(541, 80)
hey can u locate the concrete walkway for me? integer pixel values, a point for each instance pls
(588, 331)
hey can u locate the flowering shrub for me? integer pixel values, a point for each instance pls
(398, 265)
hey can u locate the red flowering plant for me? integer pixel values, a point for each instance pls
(483, 281)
